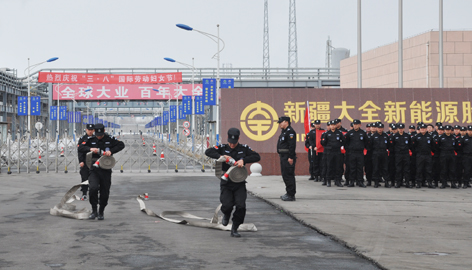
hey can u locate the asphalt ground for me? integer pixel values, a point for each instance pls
(397, 228)
(129, 239)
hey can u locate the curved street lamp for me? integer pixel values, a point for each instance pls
(217, 40)
(29, 91)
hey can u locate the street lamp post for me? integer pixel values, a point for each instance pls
(217, 40)
(29, 82)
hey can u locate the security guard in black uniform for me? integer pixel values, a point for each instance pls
(286, 146)
(368, 166)
(436, 164)
(379, 143)
(332, 140)
(324, 164)
(423, 146)
(401, 145)
(316, 157)
(447, 143)
(100, 179)
(356, 142)
(310, 151)
(465, 143)
(233, 194)
(84, 170)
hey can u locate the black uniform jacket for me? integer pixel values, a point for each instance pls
(379, 142)
(332, 140)
(107, 141)
(241, 151)
(356, 141)
(81, 140)
(287, 141)
(423, 144)
(466, 144)
(400, 144)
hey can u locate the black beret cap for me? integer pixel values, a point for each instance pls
(356, 121)
(317, 122)
(463, 129)
(380, 125)
(447, 127)
(411, 127)
(401, 125)
(90, 126)
(457, 127)
(441, 128)
(469, 127)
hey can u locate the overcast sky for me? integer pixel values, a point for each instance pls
(139, 33)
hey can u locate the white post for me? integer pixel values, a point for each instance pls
(359, 46)
(193, 106)
(29, 98)
(441, 55)
(400, 43)
(218, 90)
(177, 118)
(73, 118)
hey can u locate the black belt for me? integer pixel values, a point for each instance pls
(283, 151)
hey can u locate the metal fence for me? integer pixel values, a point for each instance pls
(144, 154)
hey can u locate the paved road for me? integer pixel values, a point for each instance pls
(128, 239)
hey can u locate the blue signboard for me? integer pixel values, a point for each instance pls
(70, 117)
(166, 117)
(187, 104)
(105, 123)
(62, 112)
(78, 116)
(181, 112)
(100, 121)
(53, 113)
(35, 105)
(159, 121)
(84, 121)
(173, 113)
(226, 83)
(199, 107)
(209, 91)
(22, 105)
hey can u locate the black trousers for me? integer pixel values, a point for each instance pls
(436, 168)
(391, 166)
(413, 167)
(402, 167)
(324, 166)
(99, 180)
(84, 175)
(448, 166)
(467, 164)
(334, 161)
(288, 174)
(356, 166)
(369, 169)
(458, 167)
(424, 164)
(380, 165)
(315, 162)
(233, 195)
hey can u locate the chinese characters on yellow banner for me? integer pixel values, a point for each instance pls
(389, 112)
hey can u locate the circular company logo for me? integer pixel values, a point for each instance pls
(259, 121)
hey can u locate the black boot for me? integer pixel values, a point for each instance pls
(360, 184)
(311, 178)
(234, 231)
(376, 185)
(387, 185)
(94, 215)
(324, 182)
(436, 183)
(443, 184)
(430, 184)
(328, 183)
(453, 184)
(351, 184)
(225, 220)
(339, 184)
(369, 183)
(398, 184)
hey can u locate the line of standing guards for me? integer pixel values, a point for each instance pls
(425, 156)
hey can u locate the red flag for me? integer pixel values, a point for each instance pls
(319, 147)
(307, 120)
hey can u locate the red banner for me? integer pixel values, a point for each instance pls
(319, 147)
(58, 77)
(124, 92)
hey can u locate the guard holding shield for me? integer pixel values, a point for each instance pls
(102, 146)
(233, 191)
